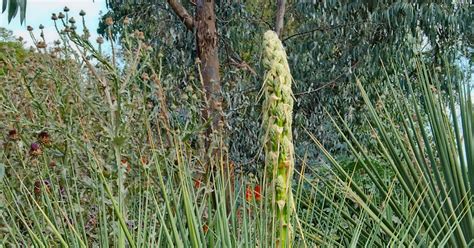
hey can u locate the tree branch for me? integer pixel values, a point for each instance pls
(182, 14)
(332, 82)
(321, 29)
(280, 15)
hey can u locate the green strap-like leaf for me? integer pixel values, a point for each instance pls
(22, 4)
(12, 9)
(4, 5)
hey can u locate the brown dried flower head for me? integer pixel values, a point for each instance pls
(109, 21)
(35, 150)
(41, 44)
(125, 164)
(145, 76)
(139, 34)
(13, 135)
(40, 185)
(44, 138)
(52, 164)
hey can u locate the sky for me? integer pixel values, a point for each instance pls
(39, 12)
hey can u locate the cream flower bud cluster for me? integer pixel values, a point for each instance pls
(277, 121)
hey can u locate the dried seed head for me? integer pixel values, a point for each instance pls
(37, 188)
(13, 135)
(82, 13)
(35, 150)
(139, 34)
(52, 164)
(44, 138)
(100, 40)
(109, 21)
(61, 15)
(54, 17)
(72, 20)
(57, 42)
(145, 76)
(126, 21)
(40, 185)
(66, 9)
(41, 44)
(29, 28)
(41, 26)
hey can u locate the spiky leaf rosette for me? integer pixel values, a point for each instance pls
(278, 141)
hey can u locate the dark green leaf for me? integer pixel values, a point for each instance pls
(12, 9)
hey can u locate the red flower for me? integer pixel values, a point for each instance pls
(257, 192)
(125, 164)
(197, 183)
(248, 194)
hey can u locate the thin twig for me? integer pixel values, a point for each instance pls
(326, 84)
(321, 29)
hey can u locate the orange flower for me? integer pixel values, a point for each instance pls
(257, 192)
(248, 194)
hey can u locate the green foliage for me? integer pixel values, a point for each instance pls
(426, 200)
(6, 35)
(10, 51)
(96, 154)
(328, 42)
(90, 162)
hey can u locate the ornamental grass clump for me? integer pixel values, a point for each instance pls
(277, 119)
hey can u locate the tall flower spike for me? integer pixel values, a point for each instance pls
(278, 140)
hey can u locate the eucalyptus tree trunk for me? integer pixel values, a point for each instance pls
(207, 51)
(280, 14)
